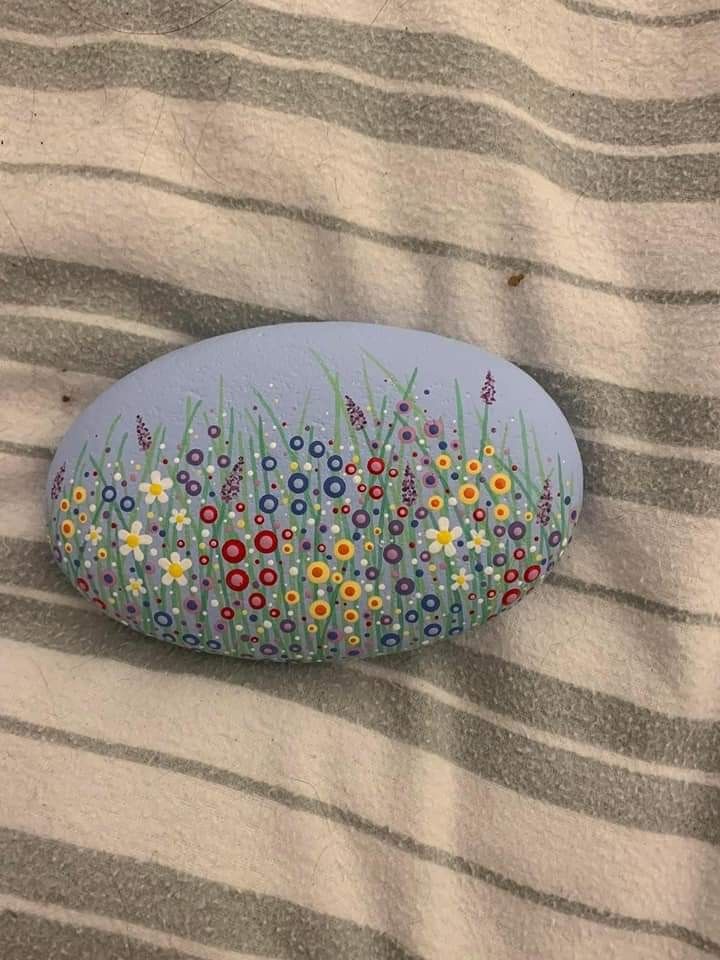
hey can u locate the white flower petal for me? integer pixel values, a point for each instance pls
(456, 532)
(435, 547)
(163, 563)
(443, 523)
(138, 554)
(155, 476)
(182, 580)
(450, 550)
(167, 579)
(124, 549)
(431, 534)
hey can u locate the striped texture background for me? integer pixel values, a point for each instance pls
(541, 177)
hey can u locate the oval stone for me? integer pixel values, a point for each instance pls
(315, 491)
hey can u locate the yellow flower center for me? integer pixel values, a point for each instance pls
(175, 570)
(133, 540)
(444, 536)
(156, 489)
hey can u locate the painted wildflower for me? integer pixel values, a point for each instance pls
(443, 538)
(478, 540)
(133, 539)
(180, 518)
(174, 569)
(156, 488)
(94, 535)
(461, 580)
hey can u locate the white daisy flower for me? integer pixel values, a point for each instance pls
(133, 539)
(155, 489)
(174, 569)
(444, 538)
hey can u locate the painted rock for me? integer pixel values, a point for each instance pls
(314, 491)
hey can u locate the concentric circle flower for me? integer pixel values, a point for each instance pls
(67, 528)
(443, 538)
(319, 610)
(156, 487)
(468, 493)
(350, 591)
(500, 483)
(344, 549)
(318, 572)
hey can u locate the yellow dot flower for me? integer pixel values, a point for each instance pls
(375, 603)
(79, 494)
(67, 528)
(350, 591)
(344, 549)
(436, 502)
(64, 504)
(468, 493)
(500, 483)
(318, 572)
(352, 616)
(292, 597)
(443, 461)
(319, 610)
(473, 466)
(502, 511)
